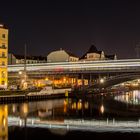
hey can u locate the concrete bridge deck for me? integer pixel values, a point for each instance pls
(130, 65)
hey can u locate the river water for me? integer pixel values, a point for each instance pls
(35, 120)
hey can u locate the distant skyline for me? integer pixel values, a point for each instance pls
(111, 25)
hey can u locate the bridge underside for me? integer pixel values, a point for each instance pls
(116, 80)
(92, 78)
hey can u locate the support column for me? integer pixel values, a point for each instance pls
(76, 81)
(90, 80)
(53, 81)
(82, 78)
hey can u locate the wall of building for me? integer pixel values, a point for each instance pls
(3, 56)
(12, 59)
(73, 59)
(58, 56)
(93, 56)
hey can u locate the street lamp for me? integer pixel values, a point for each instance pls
(102, 80)
(20, 72)
(22, 78)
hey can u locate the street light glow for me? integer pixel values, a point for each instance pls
(20, 72)
(102, 80)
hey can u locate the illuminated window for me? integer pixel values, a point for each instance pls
(3, 74)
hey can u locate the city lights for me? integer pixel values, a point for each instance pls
(102, 80)
(102, 109)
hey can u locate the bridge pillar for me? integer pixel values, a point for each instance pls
(76, 81)
(90, 80)
(82, 78)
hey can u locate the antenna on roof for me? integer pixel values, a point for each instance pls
(137, 49)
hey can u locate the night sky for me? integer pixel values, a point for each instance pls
(112, 26)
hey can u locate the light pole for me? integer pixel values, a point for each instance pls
(23, 74)
(25, 78)
(101, 82)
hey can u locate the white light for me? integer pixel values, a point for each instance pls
(1, 25)
(20, 72)
(102, 80)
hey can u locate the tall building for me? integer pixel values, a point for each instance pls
(3, 56)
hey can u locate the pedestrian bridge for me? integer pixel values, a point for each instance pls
(104, 66)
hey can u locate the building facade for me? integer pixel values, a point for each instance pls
(3, 56)
(61, 56)
(19, 59)
(94, 55)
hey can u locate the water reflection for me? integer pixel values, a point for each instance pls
(3, 122)
(132, 97)
(60, 109)
(51, 109)
(102, 109)
(92, 107)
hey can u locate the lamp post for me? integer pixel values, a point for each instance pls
(25, 71)
(23, 74)
(25, 78)
(102, 81)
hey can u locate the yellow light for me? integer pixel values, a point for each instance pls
(25, 85)
(25, 108)
(22, 81)
(64, 79)
(74, 105)
(46, 79)
(4, 122)
(86, 105)
(102, 109)
(135, 84)
(79, 105)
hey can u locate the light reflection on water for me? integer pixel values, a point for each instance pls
(132, 97)
(3, 122)
(93, 107)
(57, 110)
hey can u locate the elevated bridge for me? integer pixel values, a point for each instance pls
(129, 68)
(124, 65)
